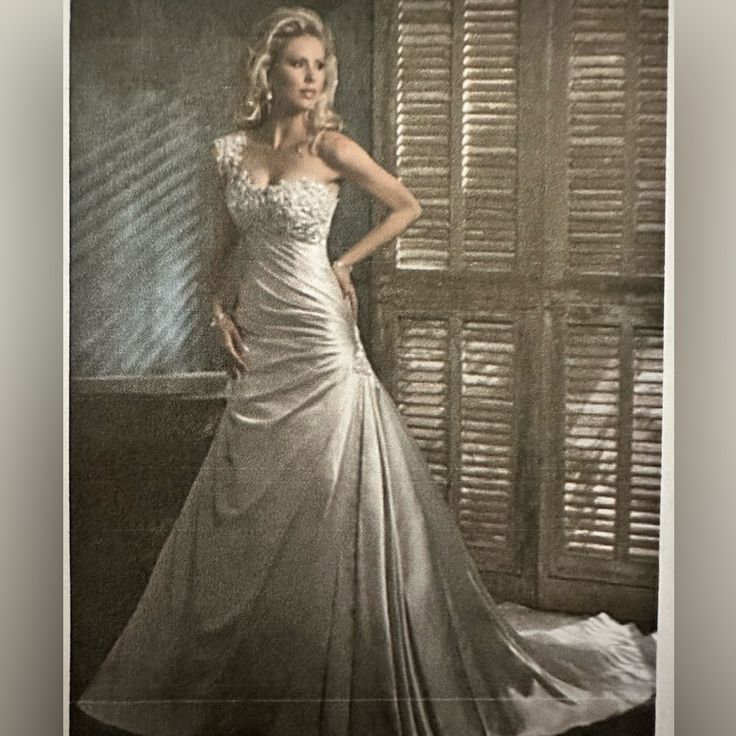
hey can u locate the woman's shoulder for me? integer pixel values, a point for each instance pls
(335, 142)
(336, 148)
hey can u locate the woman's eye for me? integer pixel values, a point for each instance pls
(301, 62)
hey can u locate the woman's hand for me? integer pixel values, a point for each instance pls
(232, 341)
(342, 272)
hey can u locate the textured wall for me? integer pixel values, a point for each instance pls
(152, 83)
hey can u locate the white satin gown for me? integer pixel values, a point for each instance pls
(315, 582)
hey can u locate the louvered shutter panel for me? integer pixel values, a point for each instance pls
(601, 512)
(487, 440)
(591, 458)
(489, 133)
(482, 209)
(454, 381)
(616, 127)
(597, 137)
(422, 383)
(423, 128)
(651, 122)
(454, 370)
(646, 442)
(607, 497)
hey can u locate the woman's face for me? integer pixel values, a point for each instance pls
(298, 75)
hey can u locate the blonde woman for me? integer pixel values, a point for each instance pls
(315, 581)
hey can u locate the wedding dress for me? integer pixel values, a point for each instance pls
(315, 582)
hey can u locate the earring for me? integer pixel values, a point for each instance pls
(269, 94)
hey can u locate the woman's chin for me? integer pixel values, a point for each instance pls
(304, 104)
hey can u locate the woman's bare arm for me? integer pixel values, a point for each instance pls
(346, 156)
(224, 236)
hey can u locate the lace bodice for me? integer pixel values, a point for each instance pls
(298, 209)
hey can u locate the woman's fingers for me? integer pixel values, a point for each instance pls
(238, 357)
(353, 297)
(239, 345)
(239, 352)
(233, 343)
(348, 291)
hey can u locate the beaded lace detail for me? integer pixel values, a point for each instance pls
(300, 208)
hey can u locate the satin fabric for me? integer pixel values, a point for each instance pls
(315, 582)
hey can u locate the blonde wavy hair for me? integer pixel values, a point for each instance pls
(268, 40)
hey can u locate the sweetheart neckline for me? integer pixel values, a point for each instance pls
(245, 176)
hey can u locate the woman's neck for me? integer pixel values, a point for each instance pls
(284, 130)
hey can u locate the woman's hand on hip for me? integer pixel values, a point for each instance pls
(342, 272)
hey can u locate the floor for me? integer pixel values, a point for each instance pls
(637, 722)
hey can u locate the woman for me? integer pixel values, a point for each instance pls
(315, 582)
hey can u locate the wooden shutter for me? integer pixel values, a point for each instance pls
(605, 525)
(651, 122)
(591, 454)
(616, 108)
(423, 128)
(470, 207)
(518, 322)
(449, 351)
(422, 387)
(490, 33)
(469, 365)
(605, 233)
(646, 443)
(487, 464)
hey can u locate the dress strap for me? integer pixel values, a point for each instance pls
(227, 152)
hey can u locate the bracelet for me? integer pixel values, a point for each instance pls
(216, 319)
(340, 264)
